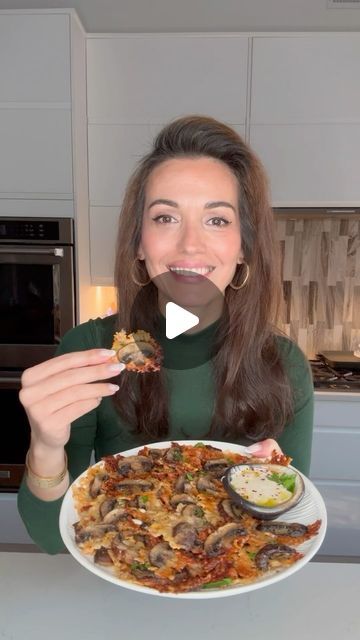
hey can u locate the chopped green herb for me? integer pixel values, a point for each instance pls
(251, 554)
(199, 444)
(199, 512)
(189, 476)
(143, 499)
(141, 566)
(177, 455)
(287, 480)
(218, 583)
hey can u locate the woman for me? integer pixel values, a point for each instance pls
(198, 200)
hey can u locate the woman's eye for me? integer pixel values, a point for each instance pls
(219, 222)
(163, 219)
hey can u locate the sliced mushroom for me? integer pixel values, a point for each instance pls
(185, 535)
(193, 514)
(182, 484)
(161, 554)
(156, 454)
(206, 483)
(113, 516)
(181, 576)
(141, 571)
(103, 557)
(218, 466)
(292, 529)
(106, 506)
(181, 497)
(174, 454)
(91, 531)
(135, 484)
(228, 508)
(96, 484)
(136, 352)
(269, 551)
(143, 539)
(122, 550)
(222, 537)
(138, 464)
(192, 510)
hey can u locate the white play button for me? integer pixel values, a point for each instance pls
(178, 320)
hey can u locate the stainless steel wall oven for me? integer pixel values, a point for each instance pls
(37, 306)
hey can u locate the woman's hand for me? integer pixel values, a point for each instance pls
(58, 391)
(264, 448)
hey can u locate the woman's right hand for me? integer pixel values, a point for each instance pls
(58, 391)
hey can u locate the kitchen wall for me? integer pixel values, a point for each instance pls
(321, 280)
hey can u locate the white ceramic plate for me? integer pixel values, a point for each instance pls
(309, 509)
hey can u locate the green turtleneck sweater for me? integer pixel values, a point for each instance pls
(191, 402)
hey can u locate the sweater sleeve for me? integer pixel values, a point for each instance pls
(41, 517)
(296, 438)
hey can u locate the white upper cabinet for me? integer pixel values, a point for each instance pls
(310, 164)
(34, 58)
(306, 79)
(305, 117)
(114, 151)
(154, 78)
(35, 159)
(36, 163)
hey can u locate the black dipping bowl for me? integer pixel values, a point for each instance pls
(262, 512)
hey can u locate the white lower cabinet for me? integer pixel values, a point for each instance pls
(335, 470)
(12, 529)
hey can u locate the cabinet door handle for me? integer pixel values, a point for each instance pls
(341, 211)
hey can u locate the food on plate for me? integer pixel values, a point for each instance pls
(264, 490)
(162, 519)
(138, 351)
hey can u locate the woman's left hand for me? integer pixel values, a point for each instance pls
(264, 448)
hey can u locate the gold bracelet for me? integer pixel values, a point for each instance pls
(43, 482)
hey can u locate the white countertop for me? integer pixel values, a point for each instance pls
(52, 597)
(350, 396)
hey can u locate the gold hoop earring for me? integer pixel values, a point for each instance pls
(237, 287)
(140, 284)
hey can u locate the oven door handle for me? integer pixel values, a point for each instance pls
(10, 382)
(43, 251)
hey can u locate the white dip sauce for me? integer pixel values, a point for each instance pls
(255, 486)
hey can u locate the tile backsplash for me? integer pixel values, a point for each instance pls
(321, 280)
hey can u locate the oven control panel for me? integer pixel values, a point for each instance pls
(36, 231)
(15, 230)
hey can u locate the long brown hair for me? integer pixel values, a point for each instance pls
(253, 395)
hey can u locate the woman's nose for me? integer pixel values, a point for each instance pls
(191, 238)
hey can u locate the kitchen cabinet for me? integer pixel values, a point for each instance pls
(36, 160)
(136, 84)
(335, 469)
(152, 78)
(304, 78)
(310, 164)
(12, 528)
(37, 93)
(305, 117)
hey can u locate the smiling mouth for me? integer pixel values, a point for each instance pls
(191, 271)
